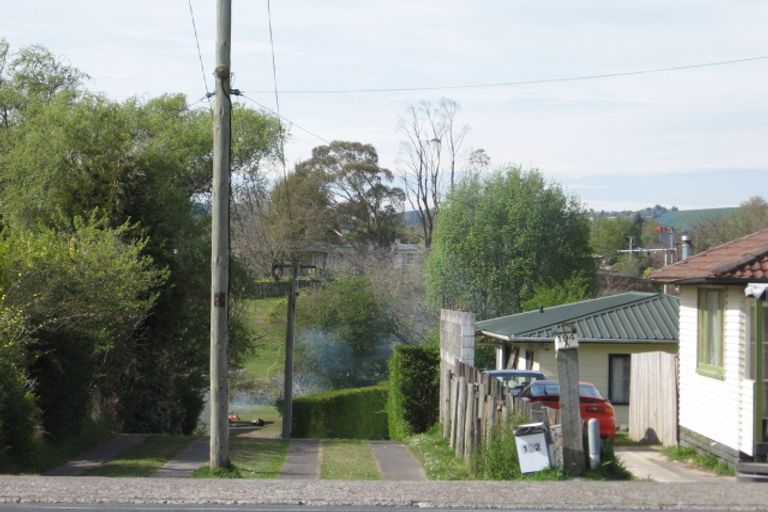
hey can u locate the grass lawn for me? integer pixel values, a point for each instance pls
(251, 458)
(45, 455)
(265, 319)
(258, 378)
(266, 412)
(348, 460)
(144, 459)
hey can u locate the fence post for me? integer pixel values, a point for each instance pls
(461, 411)
(454, 408)
(470, 420)
(445, 407)
(490, 415)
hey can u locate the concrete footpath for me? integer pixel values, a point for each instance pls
(647, 463)
(302, 461)
(188, 461)
(98, 455)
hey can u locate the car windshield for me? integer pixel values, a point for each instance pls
(515, 379)
(539, 389)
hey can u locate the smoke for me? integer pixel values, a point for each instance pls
(329, 362)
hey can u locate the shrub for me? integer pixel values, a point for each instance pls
(357, 413)
(344, 335)
(414, 391)
(17, 411)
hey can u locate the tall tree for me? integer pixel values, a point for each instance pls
(74, 154)
(611, 234)
(301, 211)
(430, 150)
(367, 207)
(498, 238)
(751, 216)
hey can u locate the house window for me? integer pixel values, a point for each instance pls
(618, 378)
(710, 349)
(529, 359)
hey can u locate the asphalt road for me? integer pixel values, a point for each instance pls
(518, 495)
(246, 508)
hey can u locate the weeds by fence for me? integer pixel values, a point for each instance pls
(475, 403)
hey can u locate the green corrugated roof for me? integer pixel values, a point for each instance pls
(627, 317)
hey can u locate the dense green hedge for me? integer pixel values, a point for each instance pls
(414, 389)
(357, 413)
(17, 412)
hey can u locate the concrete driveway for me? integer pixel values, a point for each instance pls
(648, 463)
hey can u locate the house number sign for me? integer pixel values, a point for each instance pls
(566, 341)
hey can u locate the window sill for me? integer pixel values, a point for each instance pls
(713, 372)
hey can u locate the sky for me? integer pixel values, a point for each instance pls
(691, 138)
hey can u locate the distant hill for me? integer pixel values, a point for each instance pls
(649, 212)
(682, 220)
(411, 219)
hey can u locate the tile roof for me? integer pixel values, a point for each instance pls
(745, 258)
(632, 317)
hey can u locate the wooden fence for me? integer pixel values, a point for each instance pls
(276, 289)
(475, 403)
(653, 398)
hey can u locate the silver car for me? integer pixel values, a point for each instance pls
(516, 380)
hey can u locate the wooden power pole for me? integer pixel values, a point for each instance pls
(290, 335)
(219, 395)
(567, 356)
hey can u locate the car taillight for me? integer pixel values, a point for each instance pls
(597, 409)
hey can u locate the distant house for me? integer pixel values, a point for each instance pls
(405, 255)
(323, 255)
(610, 329)
(723, 324)
(328, 256)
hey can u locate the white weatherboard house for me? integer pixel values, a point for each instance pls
(609, 329)
(723, 320)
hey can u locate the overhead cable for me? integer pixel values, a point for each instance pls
(522, 82)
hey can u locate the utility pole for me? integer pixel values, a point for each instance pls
(567, 357)
(219, 394)
(290, 337)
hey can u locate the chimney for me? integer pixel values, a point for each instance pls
(686, 246)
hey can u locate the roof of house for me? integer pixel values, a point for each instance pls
(743, 259)
(632, 317)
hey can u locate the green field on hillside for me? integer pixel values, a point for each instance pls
(258, 382)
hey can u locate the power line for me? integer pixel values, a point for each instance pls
(318, 137)
(524, 82)
(199, 53)
(277, 107)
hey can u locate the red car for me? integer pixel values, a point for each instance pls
(592, 403)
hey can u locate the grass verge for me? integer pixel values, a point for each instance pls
(350, 459)
(497, 460)
(701, 460)
(437, 457)
(144, 459)
(45, 455)
(250, 458)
